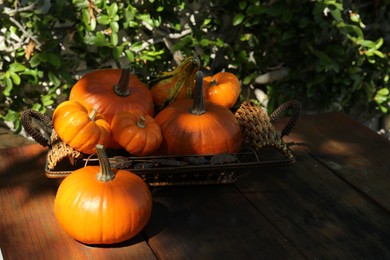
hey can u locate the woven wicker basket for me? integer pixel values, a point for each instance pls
(262, 146)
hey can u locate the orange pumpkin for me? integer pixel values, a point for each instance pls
(198, 126)
(113, 90)
(100, 205)
(80, 127)
(137, 133)
(174, 85)
(222, 88)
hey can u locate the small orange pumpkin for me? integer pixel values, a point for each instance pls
(100, 205)
(137, 133)
(222, 88)
(198, 126)
(80, 127)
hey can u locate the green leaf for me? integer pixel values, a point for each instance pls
(242, 5)
(54, 60)
(112, 10)
(136, 47)
(130, 55)
(379, 54)
(35, 73)
(117, 52)
(99, 40)
(17, 67)
(114, 39)
(204, 42)
(47, 100)
(15, 78)
(8, 87)
(54, 79)
(103, 19)
(11, 116)
(238, 19)
(93, 24)
(114, 27)
(85, 17)
(35, 60)
(383, 92)
(379, 43)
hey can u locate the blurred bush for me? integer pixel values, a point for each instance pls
(331, 55)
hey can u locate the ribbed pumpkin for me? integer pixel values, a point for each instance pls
(222, 88)
(100, 205)
(136, 132)
(81, 127)
(174, 85)
(198, 126)
(113, 90)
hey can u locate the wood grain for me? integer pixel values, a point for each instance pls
(28, 226)
(333, 203)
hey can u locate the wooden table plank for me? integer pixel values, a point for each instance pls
(352, 151)
(318, 212)
(214, 222)
(28, 226)
(333, 203)
(313, 204)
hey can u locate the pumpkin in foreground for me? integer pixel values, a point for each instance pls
(100, 205)
(82, 128)
(198, 126)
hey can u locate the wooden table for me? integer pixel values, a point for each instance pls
(333, 203)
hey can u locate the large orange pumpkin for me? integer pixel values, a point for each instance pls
(100, 205)
(222, 88)
(113, 90)
(135, 132)
(198, 126)
(80, 127)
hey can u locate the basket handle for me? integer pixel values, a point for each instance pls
(26, 120)
(279, 112)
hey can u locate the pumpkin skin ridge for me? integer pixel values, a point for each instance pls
(228, 142)
(86, 237)
(137, 140)
(210, 116)
(70, 116)
(86, 141)
(193, 115)
(220, 92)
(140, 97)
(179, 111)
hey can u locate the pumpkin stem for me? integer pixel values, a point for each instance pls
(122, 88)
(92, 115)
(198, 107)
(213, 82)
(141, 122)
(105, 174)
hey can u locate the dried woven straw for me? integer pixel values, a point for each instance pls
(257, 129)
(60, 150)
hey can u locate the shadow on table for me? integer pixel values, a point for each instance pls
(26, 171)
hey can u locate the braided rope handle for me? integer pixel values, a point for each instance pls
(279, 112)
(26, 120)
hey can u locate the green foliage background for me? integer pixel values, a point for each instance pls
(331, 55)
